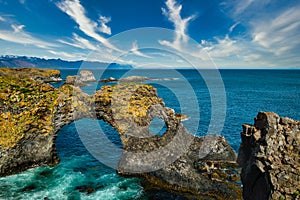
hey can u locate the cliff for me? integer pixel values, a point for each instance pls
(269, 157)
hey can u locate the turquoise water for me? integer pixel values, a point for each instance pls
(80, 176)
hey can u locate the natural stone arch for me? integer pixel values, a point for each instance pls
(173, 158)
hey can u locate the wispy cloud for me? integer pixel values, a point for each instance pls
(279, 34)
(223, 47)
(79, 42)
(18, 35)
(76, 11)
(18, 28)
(2, 19)
(231, 28)
(173, 13)
(135, 50)
(66, 55)
(267, 39)
(103, 27)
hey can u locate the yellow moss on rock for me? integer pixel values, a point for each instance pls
(127, 101)
(28, 72)
(24, 105)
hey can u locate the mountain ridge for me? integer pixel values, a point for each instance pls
(35, 62)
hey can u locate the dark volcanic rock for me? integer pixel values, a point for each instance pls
(179, 161)
(269, 156)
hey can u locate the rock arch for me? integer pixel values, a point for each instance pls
(37, 111)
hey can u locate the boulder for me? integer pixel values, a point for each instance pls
(86, 76)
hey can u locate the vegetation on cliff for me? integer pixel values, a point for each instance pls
(127, 101)
(45, 75)
(25, 107)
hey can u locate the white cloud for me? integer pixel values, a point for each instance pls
(103, 27)
(278, 34)
(251, 57)
(233, 27)
(135, 50)
(173, 13)
(18, 35)
(242, 6)
(22, 1)
(79, 42)
(17, 28)
(64, 55)
(222, 48)
(76, 11)
(2, 19)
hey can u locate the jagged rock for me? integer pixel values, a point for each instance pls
(269, 157)
(173, 160)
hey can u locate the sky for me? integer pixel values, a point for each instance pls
(156, 33)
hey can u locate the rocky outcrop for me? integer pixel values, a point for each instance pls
(31, 114)
(173, 160)
(87, 76)
(178, 161)
(81, 79)
(269, 157)
(44, 75)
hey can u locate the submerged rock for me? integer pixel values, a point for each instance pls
(269, 157)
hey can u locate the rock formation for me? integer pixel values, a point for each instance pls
(87, 76)
(32, 113)
(80, 80)
(269, 157)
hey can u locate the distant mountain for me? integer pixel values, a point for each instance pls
(33, 62)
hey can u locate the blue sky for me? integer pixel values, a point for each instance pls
(202, 33)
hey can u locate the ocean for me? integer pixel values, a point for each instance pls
(218, 101)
